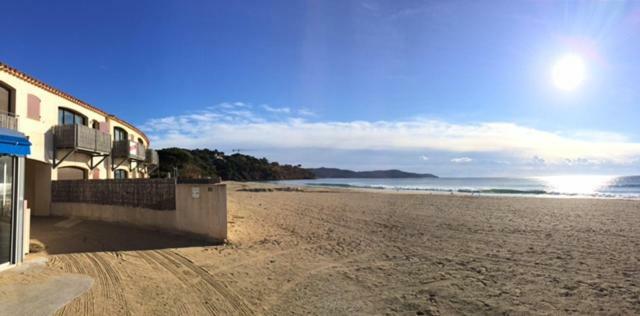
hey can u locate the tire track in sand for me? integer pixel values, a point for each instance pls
(199, 280)
(296, 280)
(112, 282)
(223, 289)
(84, 304)
(108, 285)
(189, 280)
(183, 308)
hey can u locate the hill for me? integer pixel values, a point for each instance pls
(205, 163)
(342, 173)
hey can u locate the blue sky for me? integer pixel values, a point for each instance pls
(449, 87)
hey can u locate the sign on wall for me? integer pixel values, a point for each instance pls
(133, 148)
(195, 192)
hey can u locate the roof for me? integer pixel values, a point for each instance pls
(21, 75)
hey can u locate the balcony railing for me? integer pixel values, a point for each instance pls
(8, 120)
(128, 149)
(152, 158)
(82, 138)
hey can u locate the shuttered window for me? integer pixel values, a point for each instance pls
(33, 107)
(104, 127)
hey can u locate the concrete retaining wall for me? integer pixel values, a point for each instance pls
(201, 209)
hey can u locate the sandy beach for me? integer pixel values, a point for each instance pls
(339, 252)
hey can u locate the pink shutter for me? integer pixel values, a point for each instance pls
(33, 107)
(104, 127)
(96, 174)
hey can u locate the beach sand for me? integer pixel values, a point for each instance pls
(336, 252)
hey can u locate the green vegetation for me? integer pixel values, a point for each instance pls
(205, 163)
(376, 174)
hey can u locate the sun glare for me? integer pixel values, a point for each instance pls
(578, 184)
(568, 72)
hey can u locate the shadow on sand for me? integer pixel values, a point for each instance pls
(61, 235)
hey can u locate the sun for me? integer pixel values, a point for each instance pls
(568, 72)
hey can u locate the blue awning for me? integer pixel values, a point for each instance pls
(13, 143)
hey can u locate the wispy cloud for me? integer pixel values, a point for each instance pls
(233, 105)
(306, 112)
(424, 158)
(462, 160)
(225, 128)
(271, 109)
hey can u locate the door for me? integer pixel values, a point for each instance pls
(6, 209)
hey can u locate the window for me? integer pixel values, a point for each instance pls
(6, 207)
(119, 134)
(70, 117)
(120, 174)
(140, 141)
(95, 125)
(6, 98)
(71, 173)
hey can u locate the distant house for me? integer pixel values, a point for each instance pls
(62, 138)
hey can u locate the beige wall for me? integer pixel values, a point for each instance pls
(37, 187)
(203, 214)
(39, 130)
(202, 209)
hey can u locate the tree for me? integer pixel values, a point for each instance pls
(205, 163)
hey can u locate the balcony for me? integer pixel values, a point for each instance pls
(8, 120)
(152, 158)
(128, 150)
(82, 138)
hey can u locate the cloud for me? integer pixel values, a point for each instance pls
(230, 128)
(232, 105)
(284, 110)
(306, 112)
(462, 160)
(424, 158)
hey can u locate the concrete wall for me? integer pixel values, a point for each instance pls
(193, 197)
(201, 210)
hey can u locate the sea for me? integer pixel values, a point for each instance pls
(627, 187)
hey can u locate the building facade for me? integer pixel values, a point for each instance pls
(70, 139)
(14, 147)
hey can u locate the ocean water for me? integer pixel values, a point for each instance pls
(564, 186)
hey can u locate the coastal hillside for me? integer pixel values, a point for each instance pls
(342, 173)
(205, 163)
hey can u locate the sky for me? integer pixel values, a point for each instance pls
(454, 88)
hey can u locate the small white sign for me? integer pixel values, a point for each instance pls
(195, 192)
(133, 148)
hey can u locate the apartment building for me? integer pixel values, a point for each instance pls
(69, 139)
